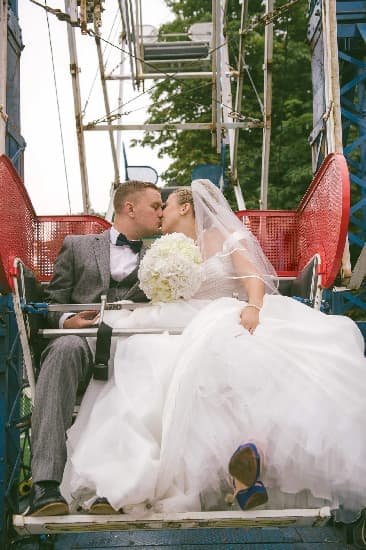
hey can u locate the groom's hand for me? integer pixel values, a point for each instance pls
(83, 319)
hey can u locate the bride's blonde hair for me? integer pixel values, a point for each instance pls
(184, 195)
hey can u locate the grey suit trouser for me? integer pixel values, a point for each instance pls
(66, 368)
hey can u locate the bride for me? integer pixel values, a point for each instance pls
(249, 365)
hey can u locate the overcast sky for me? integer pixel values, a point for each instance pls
(44, 166)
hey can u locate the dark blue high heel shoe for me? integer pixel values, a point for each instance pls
(252, 497)
(244, 466)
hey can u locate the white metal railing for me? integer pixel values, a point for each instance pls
(315, 517)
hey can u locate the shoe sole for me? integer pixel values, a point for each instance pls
(51, 509)
(243, 466)
(103, 509)
(256, 500)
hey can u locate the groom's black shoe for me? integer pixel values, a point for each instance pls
(46, 500)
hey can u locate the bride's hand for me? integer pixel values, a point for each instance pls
(249, 318)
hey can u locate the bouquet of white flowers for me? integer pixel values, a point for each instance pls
(171, 269)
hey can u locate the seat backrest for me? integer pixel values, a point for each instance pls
(50, 234)
(18, 222)
(323, 218)
(290, 239)
(277, 232)
(36, 240)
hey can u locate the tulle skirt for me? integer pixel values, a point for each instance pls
(159, 434)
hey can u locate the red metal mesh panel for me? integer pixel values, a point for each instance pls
(289, 239)
(50, 233)
(35, 240)
(323, 217)
(17, 221)
(277, 234)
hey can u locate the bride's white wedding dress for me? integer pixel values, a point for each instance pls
(160, 432)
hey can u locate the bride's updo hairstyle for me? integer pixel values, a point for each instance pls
(221, 234)
(184, 196)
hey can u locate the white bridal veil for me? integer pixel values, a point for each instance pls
(222, 234)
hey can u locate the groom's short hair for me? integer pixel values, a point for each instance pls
(128, 188)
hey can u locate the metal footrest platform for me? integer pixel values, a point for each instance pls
(28, 525)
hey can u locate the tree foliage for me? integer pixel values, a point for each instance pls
(176, 100)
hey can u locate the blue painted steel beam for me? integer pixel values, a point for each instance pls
(10, 394)
(10, 373)
(4, 346)
(351, 35)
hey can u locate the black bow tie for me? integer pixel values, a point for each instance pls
(134, 245)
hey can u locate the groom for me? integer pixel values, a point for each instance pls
(87, 267)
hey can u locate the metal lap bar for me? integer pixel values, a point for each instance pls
(102, 307)
(97, 307)
(44, 307)
(54, 332)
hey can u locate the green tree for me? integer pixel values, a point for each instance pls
(176, 100)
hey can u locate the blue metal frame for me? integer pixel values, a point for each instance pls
(4, 338)
(351, 35)
(14, 142)
(10, 394)
(10, 351)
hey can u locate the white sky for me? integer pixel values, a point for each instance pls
(44, 167)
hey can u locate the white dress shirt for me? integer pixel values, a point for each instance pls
(123, 259)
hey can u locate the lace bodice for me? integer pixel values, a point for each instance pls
(216, 284)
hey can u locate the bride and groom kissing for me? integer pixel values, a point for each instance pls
(161, 433)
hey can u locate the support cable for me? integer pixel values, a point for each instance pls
(268, 17)
(256, 21)
(169, 76)
(114, 116)
(239, 89)
(107, 108)
(58, 111)
(97, 71)
(260, 103)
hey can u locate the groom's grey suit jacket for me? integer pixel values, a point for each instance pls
(82, 274)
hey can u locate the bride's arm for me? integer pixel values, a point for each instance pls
(249, 315)
(245, 271)
(254, 289)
